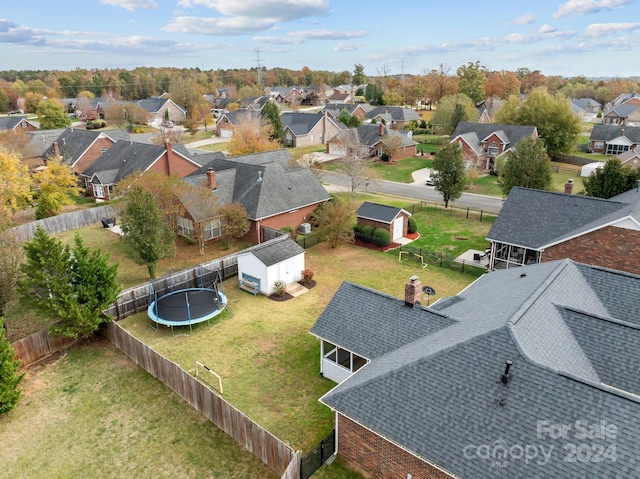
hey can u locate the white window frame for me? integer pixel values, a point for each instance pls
(185, 227)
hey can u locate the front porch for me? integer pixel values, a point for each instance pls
(337, 363)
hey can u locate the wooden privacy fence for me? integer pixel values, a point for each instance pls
(66, 221)
(39, 345)
(254, 438)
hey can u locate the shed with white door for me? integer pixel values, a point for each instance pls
(395, 220)
(279, 260)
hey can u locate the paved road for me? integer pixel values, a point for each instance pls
(338, 182)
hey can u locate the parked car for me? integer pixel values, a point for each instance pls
(429, 181)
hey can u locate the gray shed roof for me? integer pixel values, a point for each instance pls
(574, 348)
(536, 219)
(378, 212)
(274, 253)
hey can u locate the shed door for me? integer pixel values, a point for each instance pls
(398, 228)
(286, 271)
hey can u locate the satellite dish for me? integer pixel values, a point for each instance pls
(428, 290)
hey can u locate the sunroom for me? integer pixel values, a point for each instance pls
(505, 255)
(337, 363)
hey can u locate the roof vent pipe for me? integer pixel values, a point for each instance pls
(505, 376)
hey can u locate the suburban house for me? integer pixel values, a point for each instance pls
(631, 98)
(482, 143)
(630, 158)
(613, 140)
(359, 110)
(16, 123)
(260, 267)
(537, 226)
(274, 193)
(394, 220)
(161, 109)
(340, 97)
(79, 148)
(487, 108)
(305, 129)
(395, 117)
(373, 140)
(226, 122)
(126, 158)
(285, 95)
(254, 103)
(620, 114)
(507, 379)
(586, 108)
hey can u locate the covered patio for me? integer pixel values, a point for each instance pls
(338, 363)
(504, 256)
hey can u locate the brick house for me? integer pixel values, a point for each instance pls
(16, 123)
(274, 193)
(395, 117)
(462, 388)
(359, 110)
(482, 143)
(127, 157)
(373, 141)
(394, 220)
(613, 139)
(79, 148)
(537, 226)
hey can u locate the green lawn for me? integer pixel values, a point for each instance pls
(222, 146)
(263, 351)
(400, 171)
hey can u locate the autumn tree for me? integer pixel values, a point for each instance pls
(51, 114)
(235, 223)
(126, 115)
(449, 178)
(528, 165)
(252, 134)
(451, 111)
(11, 257)
(557, 125)
(202, 205)
(439, 83)
(71, 286)
(334, 220)
(357, 162)
(611, 180)
(10, 379)
(471, 81)
(502, 84)
(271, 113)
(145, 229)
(54, 185)
(15, 183)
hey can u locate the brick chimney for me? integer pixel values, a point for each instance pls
(169, 147)
(381, 129)
(211, 179)
(568, 187)
(412, 291)
(56, 149)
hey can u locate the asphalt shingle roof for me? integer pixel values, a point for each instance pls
(396, 113)
(509, 134)
(123, 159)
(439, 394)
(536, 218)
(378, 212)
(274, 253)
(74, 142)
(610, 132)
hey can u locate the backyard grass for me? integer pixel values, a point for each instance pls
(94, 413)
(221, 146)
(297, 152)
(268, 361)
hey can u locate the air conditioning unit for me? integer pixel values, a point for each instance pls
(305, 228)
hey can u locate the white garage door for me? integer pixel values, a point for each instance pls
(337, 150)
(226, 133)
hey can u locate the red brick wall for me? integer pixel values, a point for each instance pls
(378, 457)
(386, 226)
(92, 154)
(610, 247)
(172, 163)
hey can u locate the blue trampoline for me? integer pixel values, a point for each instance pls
(186, 307)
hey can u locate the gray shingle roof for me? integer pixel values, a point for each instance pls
(510, 134)
(10, 122)
(274, 253)
(396, 113)
(378, 212)
(264, 183)
(439, 394)
(300, 123)
(536, 219)
(621, 111)
(610, 132)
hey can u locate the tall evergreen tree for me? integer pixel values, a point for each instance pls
(9, 377)
(613, 179)
(271, 112)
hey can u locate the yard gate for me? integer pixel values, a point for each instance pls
(316, 457)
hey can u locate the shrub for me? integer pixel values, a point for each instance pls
(89, 125)
(381, 237)
(412, 225)
(290, 231)
(307, 276)
(368, 230)
(357, 228)
(279, 287)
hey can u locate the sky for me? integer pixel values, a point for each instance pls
(595, 38)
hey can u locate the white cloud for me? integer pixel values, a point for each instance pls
(544, 29)
(219, 26)
(283, 10)
(524, 19)
(583, 7)
(301, 36)
(347, 47)
(598, 29)
(132, 4)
